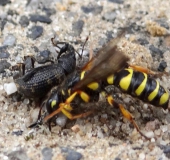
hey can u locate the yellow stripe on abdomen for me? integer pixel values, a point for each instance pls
(142, 86)
(125, 81)
(164, 98)
(154, 93)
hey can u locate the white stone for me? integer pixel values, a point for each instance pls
(61, 120)
(1, 87)
(141, 156)
(10, 88)
(149, 134)
(26, 101)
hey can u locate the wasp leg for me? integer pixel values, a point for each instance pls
(71, 117)
(142, 69)
(125, 113)
(66, 105)
(65, 109)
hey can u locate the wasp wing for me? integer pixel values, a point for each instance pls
(107, 61)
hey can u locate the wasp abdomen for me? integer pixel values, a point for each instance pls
(140, 85)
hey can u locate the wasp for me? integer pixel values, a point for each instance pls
(38, 81)
(109, 67)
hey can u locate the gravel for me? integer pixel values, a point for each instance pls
(24, 21)
(9, 40)
(40, 18)
(35, 32)
(27, 28)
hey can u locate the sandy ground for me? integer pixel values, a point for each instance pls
(104, 135)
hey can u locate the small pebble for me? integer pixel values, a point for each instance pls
(126, 100)
(75, 128)
(155, 51)
(149, 134)
(94, 9)
(1, 87)
(35, 49)
(100, 133)
(163, 22)
(43, 56)
(162, 66)
(18, 155)
(34, 114)
(157, 132)
(35, 32)
(71, 154)
(166, 149)
(47, 153)
(3, 23)
(117, 1)
(17, 133)
(164, 128)
(24, 21)
(4, 54)
(61, 120)
(141, 156)
(10, 40)
(152, 140)
(18, 58)
(143, 41)
(12, 12)
(102, 41)
(3, 49)
(45, 53)
(117, 158)
(145, 106)
(20, 47)
(40, 18)
(110, 16)
(49, 11)
(109, 35)
(4, 65)
(77, 27)
(26, 101)
(10, 88)
(151, 125)
(4, 2)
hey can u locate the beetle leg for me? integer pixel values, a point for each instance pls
(20, 67)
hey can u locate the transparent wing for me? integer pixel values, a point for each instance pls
(107, 61)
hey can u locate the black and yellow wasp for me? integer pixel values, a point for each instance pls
(109, 67)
